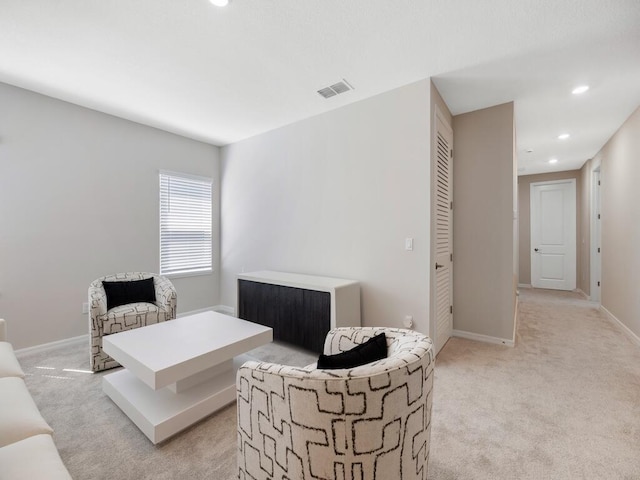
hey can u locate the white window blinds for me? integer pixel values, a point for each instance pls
(185, 224)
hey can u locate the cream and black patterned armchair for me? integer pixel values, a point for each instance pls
(371, 422)
(125, 317)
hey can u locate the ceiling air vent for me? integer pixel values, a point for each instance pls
(327, 92)
(335, 89)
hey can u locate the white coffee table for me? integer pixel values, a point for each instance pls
(180, 371)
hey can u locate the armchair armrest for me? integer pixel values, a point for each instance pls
(97, 300)
(303, 423)
(277, 405)
(342, 339)
(166, 295)
(249, 368)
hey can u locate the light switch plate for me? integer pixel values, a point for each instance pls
(408, 243)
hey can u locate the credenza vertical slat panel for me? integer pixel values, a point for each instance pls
(298, 316)
(317, 308)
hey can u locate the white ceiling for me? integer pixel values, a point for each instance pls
(221, 75)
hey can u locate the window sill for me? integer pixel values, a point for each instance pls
(187, 274)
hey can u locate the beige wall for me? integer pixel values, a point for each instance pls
(524, 190)
(483, 266)
(78, 200)
(436, 101)
(620, 206)
(336, 195)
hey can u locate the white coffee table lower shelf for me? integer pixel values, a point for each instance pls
(180, 371)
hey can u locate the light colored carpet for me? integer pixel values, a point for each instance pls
(563, 404)
(97, 441)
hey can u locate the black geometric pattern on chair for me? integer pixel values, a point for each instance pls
(125, 317)
(371, 422)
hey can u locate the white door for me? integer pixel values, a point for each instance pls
(553, 235)
(443, 227)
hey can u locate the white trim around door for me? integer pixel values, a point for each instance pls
(441, 271)
(595, 260)
(553, 234)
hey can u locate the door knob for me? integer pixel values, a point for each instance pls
(439, 266)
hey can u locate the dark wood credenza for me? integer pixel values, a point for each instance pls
(301, 309)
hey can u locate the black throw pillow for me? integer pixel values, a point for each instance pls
(132, 291)
(373, 349)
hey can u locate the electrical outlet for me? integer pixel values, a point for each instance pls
(85, 308)
(408, 321)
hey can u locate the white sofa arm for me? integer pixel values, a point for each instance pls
(3, 330)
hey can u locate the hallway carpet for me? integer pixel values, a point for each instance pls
(564, 403)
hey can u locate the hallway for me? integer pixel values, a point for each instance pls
(564, 403)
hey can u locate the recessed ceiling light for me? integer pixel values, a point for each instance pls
(220, 3)
(563, 136)
(580, 89)
(553, 160)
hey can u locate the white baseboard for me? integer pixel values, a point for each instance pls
(193, 312)
(225, 309)
(57, 343)
(216, 308)
(524, 285)
(483, 338)
(587, 297)
(634, 338)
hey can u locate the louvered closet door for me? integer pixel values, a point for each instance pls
(443, 233)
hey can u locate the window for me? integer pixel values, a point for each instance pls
(185, 224)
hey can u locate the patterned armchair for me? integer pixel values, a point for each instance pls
(125, 317)
(371, 422)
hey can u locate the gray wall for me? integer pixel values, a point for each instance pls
(620, 206)
(78, 200)
(483, 222)
(336, 195)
